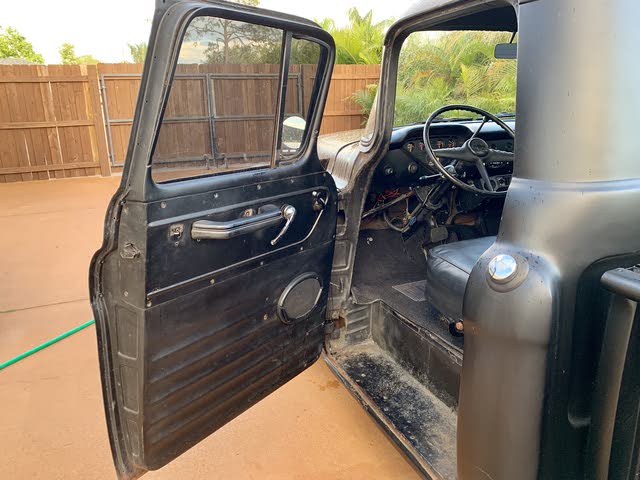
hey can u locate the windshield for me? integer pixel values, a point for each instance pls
(443, 68)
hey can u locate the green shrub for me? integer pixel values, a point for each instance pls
(438, 69)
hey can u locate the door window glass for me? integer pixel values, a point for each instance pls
(303, 68)
(221, 112)
(220, 115)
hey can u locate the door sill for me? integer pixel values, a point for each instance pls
(415, 419)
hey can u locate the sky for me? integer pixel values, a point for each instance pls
(104, 28)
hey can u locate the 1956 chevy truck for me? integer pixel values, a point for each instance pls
(472, 283)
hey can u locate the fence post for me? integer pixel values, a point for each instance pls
(98, 121)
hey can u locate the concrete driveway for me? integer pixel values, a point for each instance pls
(51, 421)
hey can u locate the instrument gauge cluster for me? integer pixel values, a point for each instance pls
(445, 142)
(407, 163)
(416, 147)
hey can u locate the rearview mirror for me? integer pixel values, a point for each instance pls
(506, 51)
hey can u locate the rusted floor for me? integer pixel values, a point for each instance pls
(51, 418)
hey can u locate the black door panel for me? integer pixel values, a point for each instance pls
(203, 369)
(185, 261)
(199, 336)
(195, 328)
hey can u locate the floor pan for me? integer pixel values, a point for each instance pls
(420, 423)
(416, 291)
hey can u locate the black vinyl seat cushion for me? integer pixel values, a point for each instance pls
(448, 270)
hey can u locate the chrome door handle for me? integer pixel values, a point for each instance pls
(267, 216)
(288, 213)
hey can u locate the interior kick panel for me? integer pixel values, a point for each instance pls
(383, 251)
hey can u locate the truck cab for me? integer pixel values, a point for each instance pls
(467, 269)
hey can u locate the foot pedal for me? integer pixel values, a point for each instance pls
(438, 234)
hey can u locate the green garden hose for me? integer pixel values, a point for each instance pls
(45, 344)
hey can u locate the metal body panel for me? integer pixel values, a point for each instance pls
(531, 350)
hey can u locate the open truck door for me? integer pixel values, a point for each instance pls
(210, 289)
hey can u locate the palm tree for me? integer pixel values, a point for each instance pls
(360, 42)
(453, 67)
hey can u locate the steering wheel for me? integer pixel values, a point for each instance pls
(474, 151)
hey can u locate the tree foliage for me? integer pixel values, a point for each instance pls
(15, 45)
(241, 43)
(138, 51)
(453, 67)
(230, 41)
(359, 42)
(68, 56)
(233, 42)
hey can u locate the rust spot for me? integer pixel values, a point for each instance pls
(340, 322)
(129, 250)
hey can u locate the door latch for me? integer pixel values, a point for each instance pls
(288, 213)
(319, 201)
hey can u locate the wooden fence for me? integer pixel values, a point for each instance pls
(340, 112)
(213, 110)
(50, 123)
(61, 121)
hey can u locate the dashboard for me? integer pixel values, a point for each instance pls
(406, 161)
(418, 147)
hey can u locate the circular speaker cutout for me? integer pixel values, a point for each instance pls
(299, 298)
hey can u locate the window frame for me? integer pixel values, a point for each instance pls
(288, 33)
(399, 59)
(322, 59)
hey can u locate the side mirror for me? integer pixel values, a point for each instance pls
(506, 51)
(293, 133)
